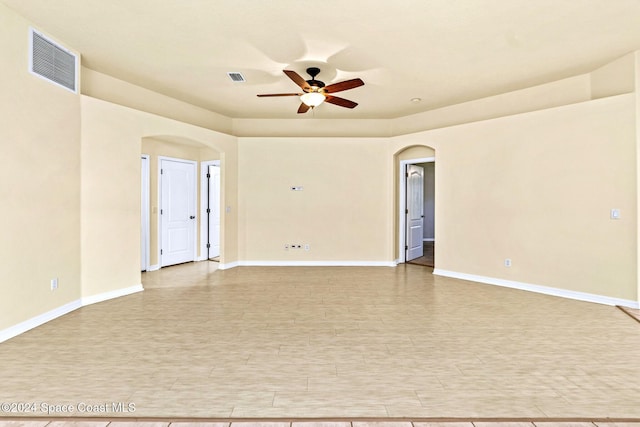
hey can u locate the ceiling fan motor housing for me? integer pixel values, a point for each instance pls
(313, 72)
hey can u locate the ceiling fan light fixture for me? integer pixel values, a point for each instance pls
(312, 99)
(315, 91)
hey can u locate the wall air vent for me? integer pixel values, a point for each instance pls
(52, 62)
(236, 77)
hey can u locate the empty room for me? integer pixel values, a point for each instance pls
(334, 212)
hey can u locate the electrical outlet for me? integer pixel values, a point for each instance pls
(54, 284)
(286, 247)
(507, 262)
(307, 247)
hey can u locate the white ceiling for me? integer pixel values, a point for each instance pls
(442, 51)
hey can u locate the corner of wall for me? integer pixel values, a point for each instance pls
(614, 78)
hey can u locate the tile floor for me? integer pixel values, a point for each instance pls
(325, 342)
(68, 423)
(633, 312)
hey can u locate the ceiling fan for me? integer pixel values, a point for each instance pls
(315, 92)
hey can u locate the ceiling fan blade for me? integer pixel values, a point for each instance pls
(340, 101)
(303, 108)
(297, 79)
(279, 94)
(345, 85)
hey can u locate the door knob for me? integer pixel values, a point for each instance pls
(192, 217)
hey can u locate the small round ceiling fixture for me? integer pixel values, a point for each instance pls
(416, 100)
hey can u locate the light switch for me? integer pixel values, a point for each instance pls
(615, 213)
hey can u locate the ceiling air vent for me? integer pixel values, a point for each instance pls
(53, 62)
(236, 77)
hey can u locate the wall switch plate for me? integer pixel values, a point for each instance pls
(297, 188)
(615, 213)
(507, 262)
(307, 247)
(54, 284)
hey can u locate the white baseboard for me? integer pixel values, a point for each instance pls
(317, 263)
(22, 327)
(227, 265)
(546, 290)
(154, 267)
(111, 295)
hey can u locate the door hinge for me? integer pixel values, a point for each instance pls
(208, 175)
(208, 245)
(161, 171)
(208, 210)
(406, 248)
(160, 251)
(160, 211)
(406, 211)
(406, 174)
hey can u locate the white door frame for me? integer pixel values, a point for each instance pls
(204, 169)
(145, 244)
(402, 203)
(194, 207)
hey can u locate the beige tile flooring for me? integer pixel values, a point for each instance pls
(309, 424)
(633, 312)
(325, 342)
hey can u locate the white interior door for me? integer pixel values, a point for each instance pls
(214, 211)
(415, 211)
(177, 211)
(144, 213)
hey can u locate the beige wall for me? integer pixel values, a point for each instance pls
(614, 78)
(415, 152)
(549, 95)
(538, 188)
(343, 211)
(39, 184)
(110, 207)
(102, 86)
(311, 127)
(637, 85)
(155, 147)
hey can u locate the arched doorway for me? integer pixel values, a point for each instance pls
(415, 205)
(167, 148)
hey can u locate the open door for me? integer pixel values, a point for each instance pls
(213, 212)
(414, 212)
(144, 213)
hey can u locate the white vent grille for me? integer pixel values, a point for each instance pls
(236, 77)
(52, 62)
